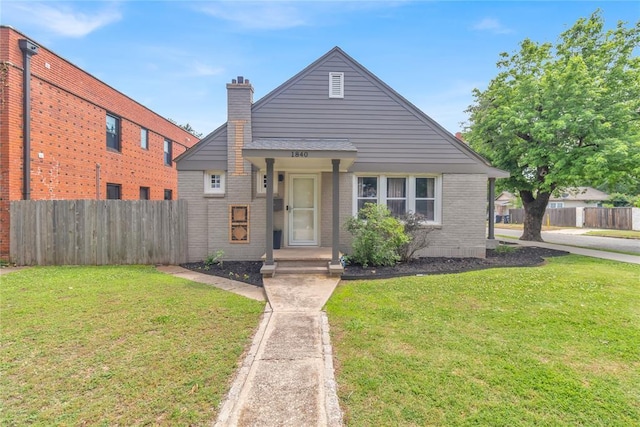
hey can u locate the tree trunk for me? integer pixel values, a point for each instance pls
(534, 209)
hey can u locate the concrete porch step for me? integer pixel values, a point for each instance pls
(314, 260)
(301, 270)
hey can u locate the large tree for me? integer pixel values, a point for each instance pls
(558, 116)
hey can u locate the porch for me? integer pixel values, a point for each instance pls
(302, 260)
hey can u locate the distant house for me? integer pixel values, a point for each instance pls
(579, 197)
(83, 138)
(312, 152)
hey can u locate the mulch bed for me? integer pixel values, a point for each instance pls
(524, 256)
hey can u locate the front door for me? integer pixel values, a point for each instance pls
(303, 216)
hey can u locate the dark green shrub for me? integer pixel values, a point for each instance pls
(377, 236)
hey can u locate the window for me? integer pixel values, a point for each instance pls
(168, 149)
(401, 194)
(367, 190)
(168, 194)
(113, 132)
(214, 182)
(336, 85)
(261, 187)
(555, 205)
(144, 193)
(426, 198)
(114, 191)
(144, 138)
(397, 196)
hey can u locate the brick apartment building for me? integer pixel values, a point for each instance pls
(85, 139)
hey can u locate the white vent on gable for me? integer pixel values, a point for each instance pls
(336, 85)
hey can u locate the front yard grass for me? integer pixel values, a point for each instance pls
(117, 346)
(550, 345)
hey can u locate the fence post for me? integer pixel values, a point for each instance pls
(635, 219)
(580, 217)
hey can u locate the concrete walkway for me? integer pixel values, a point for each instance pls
(287, 377)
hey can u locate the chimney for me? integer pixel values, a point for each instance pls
(239, 101)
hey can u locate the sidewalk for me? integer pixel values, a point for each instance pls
(287, 378)
(633, 259)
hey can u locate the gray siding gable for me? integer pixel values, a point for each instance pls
(388, 131)
(210, 153)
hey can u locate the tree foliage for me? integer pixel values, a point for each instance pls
(558, 116)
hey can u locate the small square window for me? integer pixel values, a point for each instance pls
(261, 187)
(214, 182)
(336, 85)
(144, 138)
(168, 194)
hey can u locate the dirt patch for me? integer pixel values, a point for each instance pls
(525, 256)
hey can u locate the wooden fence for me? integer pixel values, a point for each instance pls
(611, 218)
(98, 232)
(560, 217)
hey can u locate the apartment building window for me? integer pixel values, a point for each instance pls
(168, 194)
(114, 191)
(145, 193)
(144, 138)
(168, 152)
(113, 132)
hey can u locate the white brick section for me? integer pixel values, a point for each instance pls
(463, 231)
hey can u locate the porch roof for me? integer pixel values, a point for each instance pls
(298, 153)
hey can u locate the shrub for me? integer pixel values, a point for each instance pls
(418, 235)
(215, 258)
(377, 236)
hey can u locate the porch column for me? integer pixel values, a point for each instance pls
(269, 227)
(335, 240)
(492, 198)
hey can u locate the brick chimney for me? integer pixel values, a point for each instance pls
(239, 101)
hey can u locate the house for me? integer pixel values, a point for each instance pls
(311, 153)
(84, 139)
(578, 197)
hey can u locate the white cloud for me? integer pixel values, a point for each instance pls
(492, 25)
(258, 15)
(200, 69)
(64, 20)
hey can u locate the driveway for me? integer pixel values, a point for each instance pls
(575, 237)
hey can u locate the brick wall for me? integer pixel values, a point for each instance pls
(68, 140)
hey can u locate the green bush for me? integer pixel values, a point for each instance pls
(377, 236)
(214, 259)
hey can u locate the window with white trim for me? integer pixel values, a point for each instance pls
(214, 182)
(367, 190)
(261, 183)
(336, 85)
(555, 205)
(401, 194)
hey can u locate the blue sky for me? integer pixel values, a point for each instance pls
(175, 57)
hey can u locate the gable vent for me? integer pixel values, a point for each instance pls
(336, 85)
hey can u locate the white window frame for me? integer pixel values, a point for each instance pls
(261, 182)
(340, 86)
(374, 199)
(207, 182)
(555, 205)
(410, 192)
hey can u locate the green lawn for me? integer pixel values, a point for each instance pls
(117, 346)
(551, 345)
(621, 234)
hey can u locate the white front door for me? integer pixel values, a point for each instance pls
(303, 215)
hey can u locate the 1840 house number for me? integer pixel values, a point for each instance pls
(299, 154)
